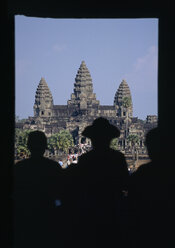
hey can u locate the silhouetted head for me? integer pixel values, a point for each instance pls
(153, 144)
(37, 143)
(101, 132)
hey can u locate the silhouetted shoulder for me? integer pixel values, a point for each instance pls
(117, 154)
(143, 170)
(21, 163)
(37, 172)
(148, 175)
(52, 163)
(108, 164)
(139, 175)
(86, 156)
(109, 154)
(37, 180)
(39, 161)
(149, 184)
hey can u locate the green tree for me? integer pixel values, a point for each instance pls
(52, 143)
(61, 141)
(127, 102)
(133, 139)
(22, 151)
(21, 137)
(114, 144)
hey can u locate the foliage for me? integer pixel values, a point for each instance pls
(114, 144)
(60, 141)
(52, 143)
(134, 139)
(21, 137)
(22, 151)
(18, 120)
(126, 102)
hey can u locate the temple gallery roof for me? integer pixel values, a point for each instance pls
(60, 107)
(106, 107)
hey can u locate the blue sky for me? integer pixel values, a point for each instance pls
(113, 49)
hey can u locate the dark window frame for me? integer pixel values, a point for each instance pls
(61, 9)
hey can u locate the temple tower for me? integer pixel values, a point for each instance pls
(123, 101)
(43, 100)
(83, 96)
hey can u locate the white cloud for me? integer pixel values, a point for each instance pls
(143, 74)
(149, 60)
(59, 47)
(142, 80)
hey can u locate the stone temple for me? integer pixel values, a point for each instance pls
(83, 107)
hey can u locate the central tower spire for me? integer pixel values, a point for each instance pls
(83, 96)
(83, 78)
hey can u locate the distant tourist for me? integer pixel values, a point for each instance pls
(60, 163)
(74, 160)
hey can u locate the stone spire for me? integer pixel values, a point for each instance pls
(123, 100)
(83, 96)
(83, 76)
(43, 100)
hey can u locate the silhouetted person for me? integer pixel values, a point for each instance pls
(151, 199)
(37, 198)
(97, 184)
